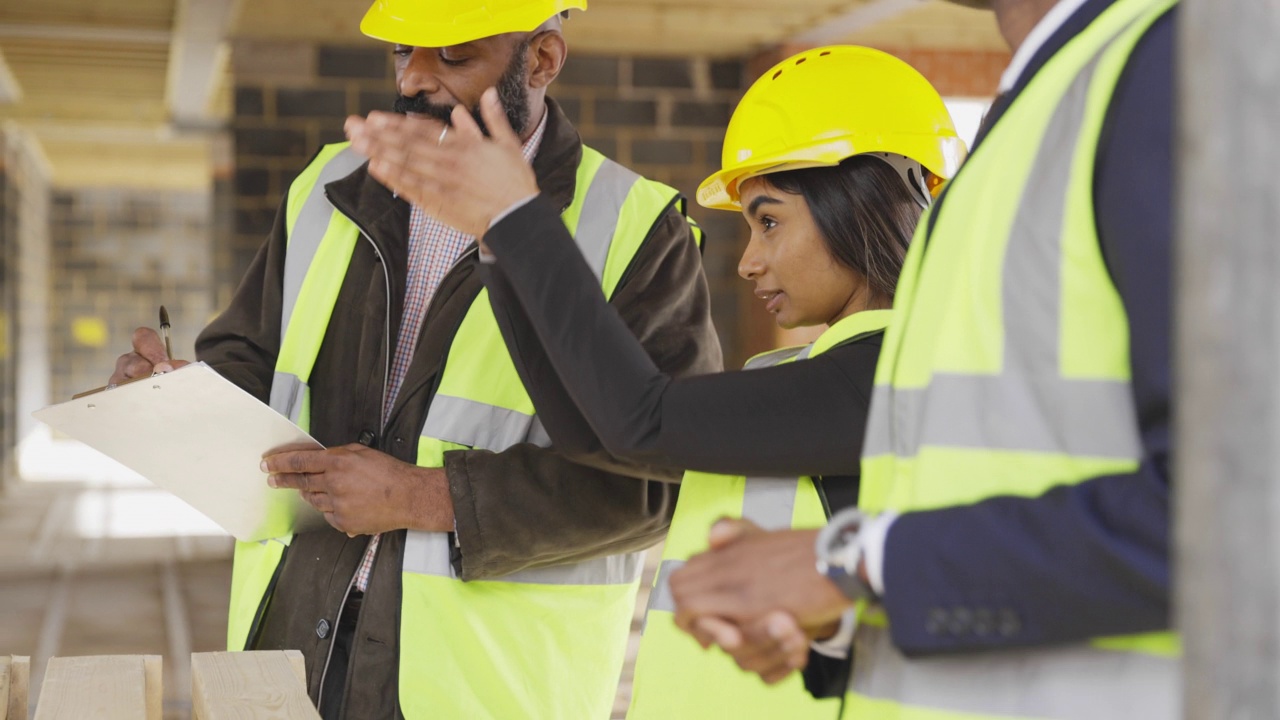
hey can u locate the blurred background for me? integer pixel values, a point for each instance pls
(144, 147)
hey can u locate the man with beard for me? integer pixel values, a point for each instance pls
(472, 571)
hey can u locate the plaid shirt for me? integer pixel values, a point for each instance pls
(433, 249)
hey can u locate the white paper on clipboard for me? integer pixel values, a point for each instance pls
(195, 434)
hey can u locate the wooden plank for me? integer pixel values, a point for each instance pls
(197, 58)
(4, 688)
(247, 685)
(153, 673)
(19, 687)
(105, 687)
(299, 665)
(855, 18)
(15, 670)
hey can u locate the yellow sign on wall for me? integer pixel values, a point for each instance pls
(89, 331)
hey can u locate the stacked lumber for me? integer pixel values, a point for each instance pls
(15, 673)
(224, 686)
(250, 685)
(109, 687)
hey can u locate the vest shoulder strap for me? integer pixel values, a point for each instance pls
(850, 329)
(613, 210)
(774, 357)
(321, 171)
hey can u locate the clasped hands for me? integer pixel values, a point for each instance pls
(758, 596)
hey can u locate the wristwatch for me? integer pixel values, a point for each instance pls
(839, 552)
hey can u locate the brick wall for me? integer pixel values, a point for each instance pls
(290, 98)
(117, 256)
(958, 73)
(664, 118)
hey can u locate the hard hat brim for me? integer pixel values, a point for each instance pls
(942, 157)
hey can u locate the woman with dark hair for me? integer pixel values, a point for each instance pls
(831, 157)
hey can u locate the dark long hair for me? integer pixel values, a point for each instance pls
(863, 210)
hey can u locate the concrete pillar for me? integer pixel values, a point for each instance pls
(1227, 425)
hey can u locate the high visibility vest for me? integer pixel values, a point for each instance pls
(1007, 373)
(675, 678)
(540, 643)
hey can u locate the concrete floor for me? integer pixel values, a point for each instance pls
(65, 591)
(65, 594)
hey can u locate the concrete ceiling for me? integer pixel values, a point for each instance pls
(109, 87)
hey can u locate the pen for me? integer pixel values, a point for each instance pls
(168, 351)
(164, 331)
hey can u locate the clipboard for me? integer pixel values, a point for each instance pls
(197, 435)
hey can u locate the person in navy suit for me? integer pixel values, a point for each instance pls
(1079, 561)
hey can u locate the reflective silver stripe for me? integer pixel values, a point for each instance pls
(310, 227)
(770, 501)
(601, 209)
(774, 357)
(538, 434)
(1036, 414)
(489, 427)
(287, 391)
(610, 570)
(1028, 406)
(427, 553)
(477, 425)
(660, 598)
(766, 501)
(1073, 682)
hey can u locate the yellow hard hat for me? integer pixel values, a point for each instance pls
(827, 104)
(442, 23)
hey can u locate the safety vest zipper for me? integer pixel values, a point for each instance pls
(386, 377)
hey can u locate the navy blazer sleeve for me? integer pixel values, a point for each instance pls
(1090, 559)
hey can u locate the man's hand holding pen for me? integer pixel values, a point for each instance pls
(148, 357)
(362, 491)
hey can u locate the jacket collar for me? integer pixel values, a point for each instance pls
(1065, 30)
(385, 218)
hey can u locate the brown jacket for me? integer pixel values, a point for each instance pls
(524, 507)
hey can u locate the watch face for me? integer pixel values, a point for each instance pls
(849, 583)
(839, 534)
(839, 553)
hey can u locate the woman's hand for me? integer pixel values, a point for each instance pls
(455, 174)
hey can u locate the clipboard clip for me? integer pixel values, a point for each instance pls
(105, 388)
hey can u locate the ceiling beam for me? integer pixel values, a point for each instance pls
(76, 33)
(197, 59)
(860, 17)
(10, 90)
